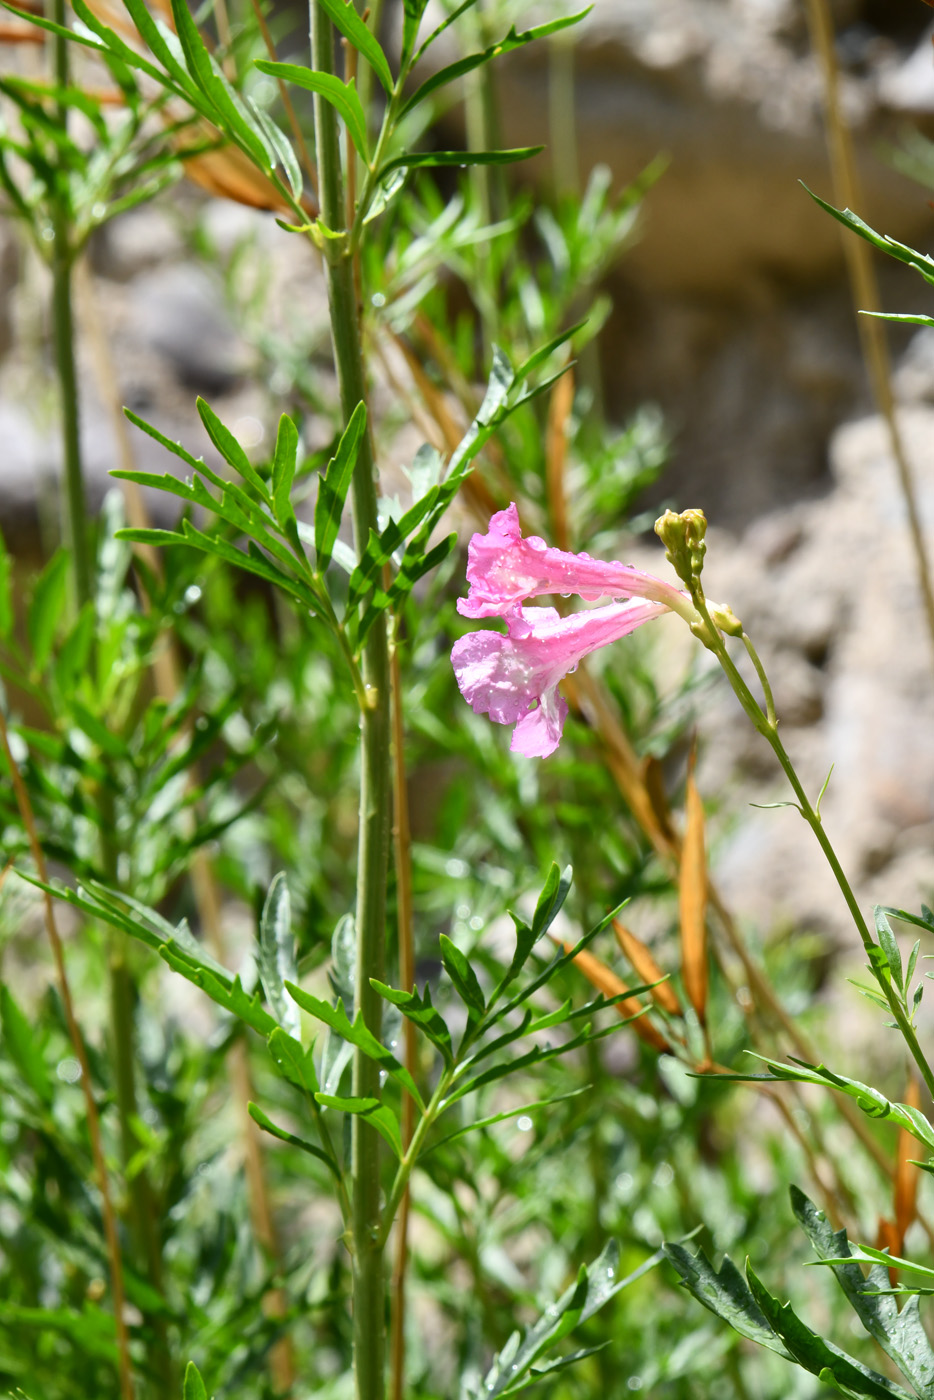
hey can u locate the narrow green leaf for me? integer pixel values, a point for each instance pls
(458, 968)
(353, 28)
(162, 49)
(421, 1012)
(726, 1294)
(276, 954)
(342, 96)
(23, 1048)
(815, 1354)
(227, 445)
(890, 947)
(921, 262)
(379, 1115)
(462, 66)
(281, 147)
(268, 1126)
(296, 1063)
(356, 1033)
(284, 465)
(333, 485)
(6, 591)
(47, 609)
(419, 159)
(194, 1385)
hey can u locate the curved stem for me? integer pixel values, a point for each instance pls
(768, 728)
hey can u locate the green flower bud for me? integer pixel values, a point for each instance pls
(683, 537)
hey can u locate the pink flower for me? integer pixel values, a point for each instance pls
(514, 678)
(503, 569)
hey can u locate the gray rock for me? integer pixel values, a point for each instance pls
(181, 314)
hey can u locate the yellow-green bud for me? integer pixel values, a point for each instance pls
(683, 537)
(725, 618)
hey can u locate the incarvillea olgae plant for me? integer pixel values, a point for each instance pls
(406, 1148)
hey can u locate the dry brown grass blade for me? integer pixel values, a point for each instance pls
(607, 982)
(20, 34)
(646, 968)
(692, 902)
(560, 403)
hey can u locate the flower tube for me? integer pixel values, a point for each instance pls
(504, 569)
(514, 678)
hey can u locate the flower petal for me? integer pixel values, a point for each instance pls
(538, 733)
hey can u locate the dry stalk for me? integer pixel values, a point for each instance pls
(865, 288)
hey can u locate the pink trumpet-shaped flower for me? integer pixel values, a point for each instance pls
(503, 569)
(514, 678)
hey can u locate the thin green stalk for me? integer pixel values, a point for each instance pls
(63, 330)
(369, 1322)
(768, 727)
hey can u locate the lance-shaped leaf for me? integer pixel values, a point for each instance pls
(422, 1013)
(342, 96)
(356, 1033)
(231, 451)
(355, 30)
(513, 40)
(23, 1047)
(276, 959)
(194, 1385)
(554, 893)
(333, 485)
(817, 1355)
(595, 1285)
(268, 1126)
(463, 159)
(175, 946)
(295, 1062)
(457, 966)
(726, 1294)
(870, 1100)
(284, 465)
(899, 1333)
(921, 262)
(47, 609)
(379, 1115)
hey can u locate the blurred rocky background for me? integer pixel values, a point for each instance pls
(732, 313)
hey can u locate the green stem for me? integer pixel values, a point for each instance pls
(767, 726)
(63, 328)
(369, 1322)
(143, 1210)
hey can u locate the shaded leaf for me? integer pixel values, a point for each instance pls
(23, 1048)
(47, 608)
(194, 1385)
(276, 954)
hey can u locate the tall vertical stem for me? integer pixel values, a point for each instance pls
(375, 792)
(63, 331)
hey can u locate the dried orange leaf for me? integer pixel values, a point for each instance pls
(693, 904)
(607, 982)
(646, 968)
(906, 1174)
